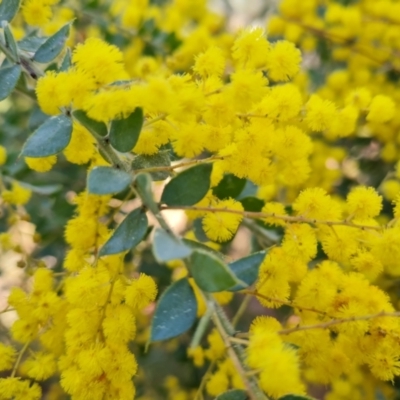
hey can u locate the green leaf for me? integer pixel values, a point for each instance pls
(45, 190)
(8, 9)
(210, 273)
(296, 397)
(235, 394)
(175, 313)
(142, 184)
(252, 204)
(229, 186)
(50, 138)
(161, 159)
(107, 180)
(31, 42)
(129, 233)
(95, 127)
(201, 246)
(66, 62)
(189, 187)
(10, 41)
(246, 269)
(124, 133)
(167, 247)
(8, 80)
(53, 46)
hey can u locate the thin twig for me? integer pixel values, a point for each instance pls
(261, 215)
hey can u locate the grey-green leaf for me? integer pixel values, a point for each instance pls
(8, 80)
(8, 9)
(128, 235)
(95, 127)
(10, 41)
(53, 46)
(210, 273)
(124, 133)
(161, 159)
(189, 187)
(246, 269)
(167, 247)
(235, 394)
(66, 62)
(107, 180)
(175, 313)
(50, 138)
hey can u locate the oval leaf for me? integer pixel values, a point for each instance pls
(94, 127)
(8, 9)
(66, 62)
(210, 273)
(160, 159)
(8, 80)
(252, 204)
(235, 394)
(189, 187)
(229, 186)
(10, 41)
(167, 247)
(53, 46)
(124, 133)
(175, 313)
(246, 269)
(129, 233)
(107, 180)
(50, 138)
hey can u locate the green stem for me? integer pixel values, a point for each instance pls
(236, 351)
(18, 362)
(201, 328)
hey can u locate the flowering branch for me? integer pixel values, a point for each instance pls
(261, 215)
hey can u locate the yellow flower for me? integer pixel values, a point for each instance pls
(250, 49)
(41, 164)
(316, 203)
(321, 114)
(18, 194)
(283, 61)
(363, 202)
(275, 209)
(210, 63)
(7, 357)
(15, 388)
(36, 12)
(81, 147)
(101, 61)
(382, 109)
(3, 155)
(141, 292)
(40, 366)
(221, 226)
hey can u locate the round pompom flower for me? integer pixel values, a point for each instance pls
(364, 202)
(283, 61)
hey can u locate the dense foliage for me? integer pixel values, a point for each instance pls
(193, 213)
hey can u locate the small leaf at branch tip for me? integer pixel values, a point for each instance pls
(107, 180)
(175, 313)
(50, 138)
